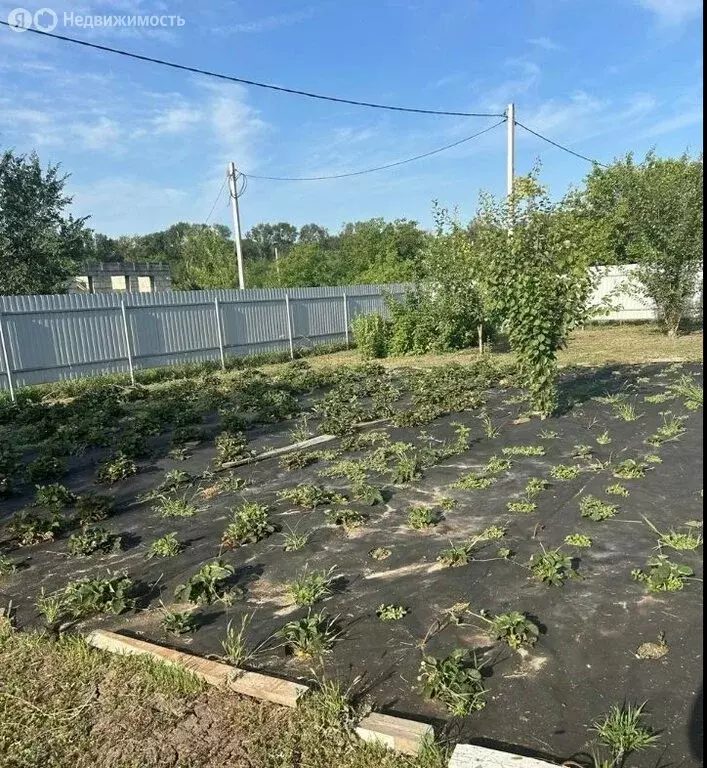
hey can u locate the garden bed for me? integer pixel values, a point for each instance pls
(538, 699)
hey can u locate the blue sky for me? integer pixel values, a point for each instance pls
(147, 146)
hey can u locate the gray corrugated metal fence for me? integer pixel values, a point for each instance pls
(46, 338)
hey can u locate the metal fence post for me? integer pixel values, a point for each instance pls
(290, 329)
(6, 359)
(126, 333)
(220, 335)
(346, 319)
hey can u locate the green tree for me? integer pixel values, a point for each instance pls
(651, 213)
(537, 278)
(266, 237)
(207, 260)
(40, 242)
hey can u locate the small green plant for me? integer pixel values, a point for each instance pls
(297, 460)
(691, 392)
(178, 622)
(616, 489)
(310, 496)
(379, 553)
(496, 465)
(455, 556)
(406, 467)
(92, 508)
(391, 612)
(578, 540)
(625, 411)
(89, 597)
(231, 446)
(622, 732)
(523, 450)
(118, 468)
(522, 507)
(652, 458)
(7, 565)
(447, 503)
(249, 524)
(678, 540)
(552, 567)
(50, 606)
(491, 533)
(45, 469)
(175, 506)
(660, 397)
(348, 518)
(293, 541)
(596, 509)
(29, 527)
(422, 518)
(604, 438)
(235, 648)
(312, 586)
(166, 546)
(564, 472)
(630, 469)
(301, 431)
(582, 452)
(310, 637)
(514, 628)
(662, 575)
(367, 494)
(504, 553)
(207, 585)
(490, 429)
(53, 496)
(548, 434)
(174, 479)
(474, 481)
(670, 430)
(454, 680)
(534, 486)
(90, 540)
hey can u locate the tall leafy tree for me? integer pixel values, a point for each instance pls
(266, 237)
(207, 260)
(651, 213)
(536, 277)
(40, 242)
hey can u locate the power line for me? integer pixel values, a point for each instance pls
(218, 197)
(378, 167)
(255, 83)
(560, 146)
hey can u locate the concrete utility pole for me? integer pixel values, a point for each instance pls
(277, 265)
(511, 148)
(232, 186)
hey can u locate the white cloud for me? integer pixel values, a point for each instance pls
(546, 44)
(177, 120)
(525, 76)
(103, 134)
(673, 12)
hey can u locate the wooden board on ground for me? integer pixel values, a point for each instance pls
(253, 684)
(395, 732)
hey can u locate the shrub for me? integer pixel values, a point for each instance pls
(371, 335)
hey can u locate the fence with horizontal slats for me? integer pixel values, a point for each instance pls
(47, 338)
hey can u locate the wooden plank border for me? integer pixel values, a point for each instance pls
(394, 732)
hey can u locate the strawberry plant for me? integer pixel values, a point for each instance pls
(596, 509)
(88, 597)
(166, 546)
(350, 519)
(207, 585)
(421, 518)
(249, 524)
(662, 575)
(54, 496)
(178, 622)
(391, 612)
(630, 469)
(29, 527)
(312, 586)
(118, 468)
(231, 447)
(310, 496)
(88, 540)
(578, 540)
(455, 556)
(454, 680)
(92, 508)
(552, 567)
(514, 628)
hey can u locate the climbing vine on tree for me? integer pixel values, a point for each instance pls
(536, 278)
